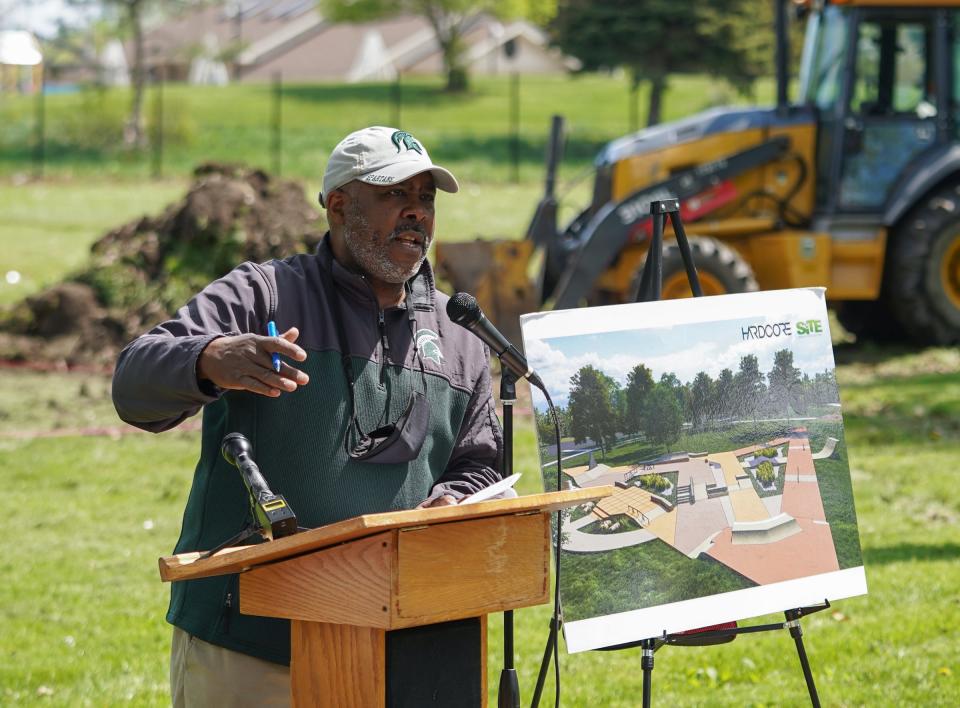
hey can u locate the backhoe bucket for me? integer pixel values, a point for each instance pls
(497, 274)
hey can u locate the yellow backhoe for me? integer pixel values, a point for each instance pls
(854, 186)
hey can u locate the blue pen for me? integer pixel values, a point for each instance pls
(274, 357)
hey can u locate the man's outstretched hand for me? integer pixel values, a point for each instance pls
(243, 362)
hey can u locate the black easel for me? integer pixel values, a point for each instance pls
(651, 283)
(649, 290)
(509, 692)
(720, 636)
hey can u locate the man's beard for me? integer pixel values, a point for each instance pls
(373, 257)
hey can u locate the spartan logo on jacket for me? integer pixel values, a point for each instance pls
(427, 345)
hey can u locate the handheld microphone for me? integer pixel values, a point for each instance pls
(272, 515)
(464, 311)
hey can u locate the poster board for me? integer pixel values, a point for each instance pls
(718, 419)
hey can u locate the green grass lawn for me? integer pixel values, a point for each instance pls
(81, 604)
(471, 132)
(47, 227)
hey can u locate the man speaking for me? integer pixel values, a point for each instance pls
(368, 399)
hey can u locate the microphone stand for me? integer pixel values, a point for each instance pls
(509, 692)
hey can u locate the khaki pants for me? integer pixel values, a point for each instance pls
(202, 674)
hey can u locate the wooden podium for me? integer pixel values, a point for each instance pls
(348, 586)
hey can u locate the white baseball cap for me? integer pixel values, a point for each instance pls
(381, 155)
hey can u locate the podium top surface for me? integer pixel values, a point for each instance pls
(188, 566)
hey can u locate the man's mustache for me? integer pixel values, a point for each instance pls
(418, 228)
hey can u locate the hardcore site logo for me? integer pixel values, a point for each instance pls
(427, 345)
(772, 330)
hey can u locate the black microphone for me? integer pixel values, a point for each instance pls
(271, 513)
(464, 310)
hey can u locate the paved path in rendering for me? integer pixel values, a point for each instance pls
(696, 522)
(580, 542)
(747, 505)
(809, 552)
(665, 527)
(730, 465)
(801, 491)
(800, 460)
(773, 504)
(802, 501)
(750, 449)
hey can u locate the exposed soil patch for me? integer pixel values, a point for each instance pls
(141, 272)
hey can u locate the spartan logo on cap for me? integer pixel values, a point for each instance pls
(427, 344)
(403, 139)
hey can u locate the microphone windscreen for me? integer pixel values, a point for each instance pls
(463, 309)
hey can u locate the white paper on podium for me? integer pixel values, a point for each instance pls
(492, 491)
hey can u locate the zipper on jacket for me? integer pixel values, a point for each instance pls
(227, 612)
(385, 359)
(382, 324)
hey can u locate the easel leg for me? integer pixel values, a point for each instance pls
(544, 664)
(793, 624)
(646, 663)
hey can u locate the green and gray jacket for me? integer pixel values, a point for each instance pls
(298, 438)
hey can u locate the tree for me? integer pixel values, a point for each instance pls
(656, 38)
(701, 398)
(672, 381)
(592, 414)
(546, 428)
(824, 388)
(724, 394)
(748, 384)
(129, 16)
(618, 398)
(663, 420)
(784, 380)
(639, 386)
(449, 20)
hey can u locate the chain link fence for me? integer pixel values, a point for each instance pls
(496, 132)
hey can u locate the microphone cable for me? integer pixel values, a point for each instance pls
(555, 619)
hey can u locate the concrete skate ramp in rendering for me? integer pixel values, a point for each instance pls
(827, 450)
(769, 530)
(584, 475)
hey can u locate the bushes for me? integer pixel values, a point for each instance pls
(764, 473)
(654, 482)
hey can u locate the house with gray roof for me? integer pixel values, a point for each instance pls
(258, 39)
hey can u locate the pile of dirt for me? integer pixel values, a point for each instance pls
(141, 272)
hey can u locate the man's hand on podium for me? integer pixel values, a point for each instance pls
(442, 500)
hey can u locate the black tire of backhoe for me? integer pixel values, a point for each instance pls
(713, 257)
(870, 320)
(912, 288)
